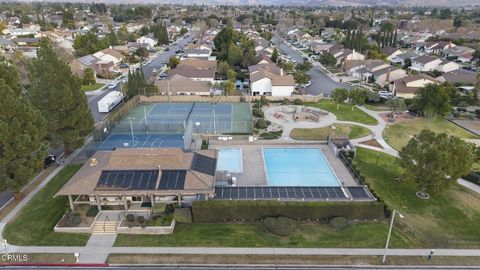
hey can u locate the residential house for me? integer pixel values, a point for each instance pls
(459, 53)
(447, 66)
(269, 80)
(134, 178)
(147, 42)
(7, 45)
(347, 54)
(198, 51)
(402, 58)
(195, 69)
(391, 52)
(109, 55)
(387, 75)
(406, 87)
(459, 77)
(425, 63)
(180, 85)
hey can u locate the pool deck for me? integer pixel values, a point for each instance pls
(254, 169)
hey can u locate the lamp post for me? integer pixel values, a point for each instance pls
(390, 232)
(131, 127)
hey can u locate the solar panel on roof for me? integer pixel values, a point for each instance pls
(172, 179)
(359, 192)
(287, 193)
(127, 180)
(204, 164)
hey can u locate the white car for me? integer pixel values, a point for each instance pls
(307, 84)
(112, 85)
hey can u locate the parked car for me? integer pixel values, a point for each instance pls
(112, 85)
(167, 49)
(123, 65)
(49, 160)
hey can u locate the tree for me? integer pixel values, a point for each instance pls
(57, 93)
(433, 100)
(339, 95)
(22, 132)
(328, 59)
(229, 87)
(373, 96)
(183, 31)
(457, 22)
(231, 75)
(89, 77)
(407, 63)
(358, 97)
(436, 161)
(142, 52)
(396, 104)
(235, 55)
(173, 61)
(275, 55)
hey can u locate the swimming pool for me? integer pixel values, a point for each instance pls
(230, 160)
(298, 167)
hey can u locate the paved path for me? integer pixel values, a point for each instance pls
(97, 248)
(469, 185)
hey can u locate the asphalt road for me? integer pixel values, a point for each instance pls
(279, 267)
(321, 83)
(156, 63)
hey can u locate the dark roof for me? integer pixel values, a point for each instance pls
(204, 164)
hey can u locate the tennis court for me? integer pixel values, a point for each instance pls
(173, 124)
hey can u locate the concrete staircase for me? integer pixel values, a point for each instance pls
(104, 227)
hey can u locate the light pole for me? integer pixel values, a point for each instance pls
(131, 127)
(390, 232)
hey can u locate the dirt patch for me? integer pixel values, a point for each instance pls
(373, 143)
(398, 117)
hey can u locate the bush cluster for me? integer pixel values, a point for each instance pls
(282, 226)
(183, 215)
(92, 211)
(221, 211)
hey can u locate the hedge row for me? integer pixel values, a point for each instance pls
(220, 210)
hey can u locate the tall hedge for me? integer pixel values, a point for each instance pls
(223, 210)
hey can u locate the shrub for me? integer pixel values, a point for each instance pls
(92, 211)
(182, 215)
(242, 99)
(72, 220)
(338, 223)
(473, 177)
(271, 135)
(282, 226)
(285, 101)
(220, 211)
(477, 112)
(261, 124)
(459, 109)
(297, 101)
(130, 218)
(258, 113)
(141, 219)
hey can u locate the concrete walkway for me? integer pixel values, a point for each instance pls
(469, 185)
(97, 248)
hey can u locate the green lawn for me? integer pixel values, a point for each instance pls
(353, 132)
(369, 234)
(398, 135)
(445, 220)
(377, 107)
(34, 224)
(345, 112)
(92, 87)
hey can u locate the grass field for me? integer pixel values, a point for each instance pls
(377, 107)
(353, 132)
(398, 135)
(34, 224)
(184, 259)
(92, 87)
(368, 234)
(449, 219)
(345, 112)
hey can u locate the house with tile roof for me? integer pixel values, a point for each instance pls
(269, 80)
(406, 87)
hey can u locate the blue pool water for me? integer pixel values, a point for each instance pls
(230, 160)
(298, 167)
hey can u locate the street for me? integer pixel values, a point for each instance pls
(234, 267)
(157, 63)
(321, 83)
